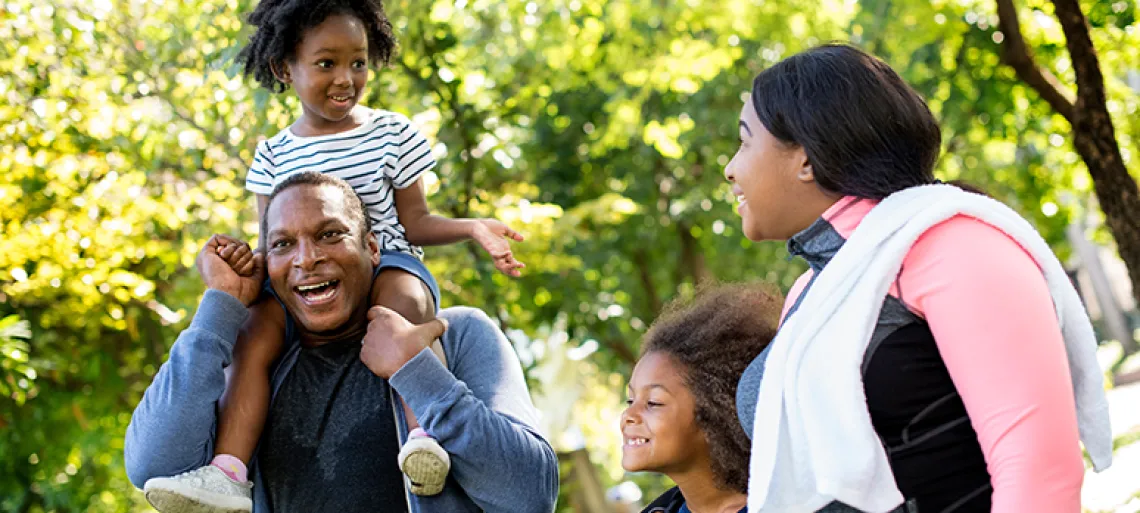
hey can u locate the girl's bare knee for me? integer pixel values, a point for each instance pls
(405, 294)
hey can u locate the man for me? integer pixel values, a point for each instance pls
(334, 428)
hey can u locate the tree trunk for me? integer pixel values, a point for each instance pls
(692, 257)
(1094, 136)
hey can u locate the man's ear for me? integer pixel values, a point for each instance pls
(373, 248)
(281, 71)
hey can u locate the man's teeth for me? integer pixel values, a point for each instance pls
(340, 98)
(636, 441)
(306, 288)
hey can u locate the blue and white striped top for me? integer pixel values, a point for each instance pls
(384, 153)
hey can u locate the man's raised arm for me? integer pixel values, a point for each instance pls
(172, 429)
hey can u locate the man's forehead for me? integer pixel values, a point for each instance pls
(307, 204)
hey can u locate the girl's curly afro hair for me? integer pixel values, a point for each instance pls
(714, 337)
(282, 23)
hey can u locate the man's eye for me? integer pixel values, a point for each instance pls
(330, 233)
(279, 244)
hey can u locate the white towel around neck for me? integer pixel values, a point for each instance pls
(813, 442)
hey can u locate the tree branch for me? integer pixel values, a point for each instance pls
(1086, 66)
(620, 349)
(1017, 55)
(641, 262)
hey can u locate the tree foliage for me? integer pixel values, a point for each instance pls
(598, 128)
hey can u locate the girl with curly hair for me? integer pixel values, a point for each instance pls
(680, 419)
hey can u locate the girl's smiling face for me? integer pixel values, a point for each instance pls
(659, 427)
(329, 72)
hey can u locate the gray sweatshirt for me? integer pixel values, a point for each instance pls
(477, 407)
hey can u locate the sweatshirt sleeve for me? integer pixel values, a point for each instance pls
(993, 320)
(482, 414)
(172, 429)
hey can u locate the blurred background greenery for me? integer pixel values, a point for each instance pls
(600, 129)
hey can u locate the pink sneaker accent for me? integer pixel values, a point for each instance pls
(419, 433)
(233, 467)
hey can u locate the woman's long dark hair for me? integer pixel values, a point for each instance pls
(866, 133)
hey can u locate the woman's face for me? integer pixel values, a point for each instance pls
(659, 427)
(772, 181)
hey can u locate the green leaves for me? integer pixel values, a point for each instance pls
(17, 376)
(598, 128)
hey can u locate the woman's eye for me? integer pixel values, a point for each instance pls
(653, 404)
(629, 402)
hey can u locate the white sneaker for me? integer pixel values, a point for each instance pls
(204, 490)
(424, 463)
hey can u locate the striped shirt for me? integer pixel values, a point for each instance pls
(384, 153)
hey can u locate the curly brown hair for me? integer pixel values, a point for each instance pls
(281, 24)
(714, 337)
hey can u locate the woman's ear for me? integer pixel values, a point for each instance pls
(805, 173)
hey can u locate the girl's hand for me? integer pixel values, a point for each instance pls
(492, 235)
(237, 254)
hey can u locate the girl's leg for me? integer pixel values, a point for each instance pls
(422, 460)
(245, 404)
(410, 297)
(223, 486)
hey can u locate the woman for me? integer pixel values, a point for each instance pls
(680, 419)
(967, 400)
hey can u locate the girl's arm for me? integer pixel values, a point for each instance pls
(426, 229)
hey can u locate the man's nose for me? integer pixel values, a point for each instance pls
(308, 254)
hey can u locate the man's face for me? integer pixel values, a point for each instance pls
(319, 263)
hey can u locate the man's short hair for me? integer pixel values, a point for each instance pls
(355, 203)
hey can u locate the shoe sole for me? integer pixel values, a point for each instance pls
(167, 501)
(426, 472)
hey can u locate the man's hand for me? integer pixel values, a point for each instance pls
(492, 235)
(218, 275)
(392, 341)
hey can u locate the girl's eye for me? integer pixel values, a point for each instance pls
(324, 63)
(359, 64)
(629, 402)
(653, 404)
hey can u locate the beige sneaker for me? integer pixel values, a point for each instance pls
(203, 490)
(424, 463)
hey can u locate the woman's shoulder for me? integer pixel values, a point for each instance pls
(963, 251)
(963, 238)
